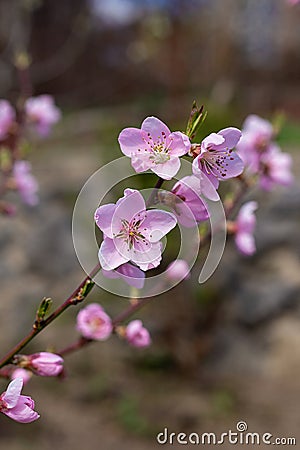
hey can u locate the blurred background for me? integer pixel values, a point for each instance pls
(222, 352)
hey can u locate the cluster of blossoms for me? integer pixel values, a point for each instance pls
(40, 114)
(94, 323)
(133, 232)
(262, 156)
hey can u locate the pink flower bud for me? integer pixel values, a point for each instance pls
(21, 373)
(45, 364)
(178, 270)
(7, 117)
(25, 182)
(137, 335)
(94, 323)
(42, 113)
(16, 406)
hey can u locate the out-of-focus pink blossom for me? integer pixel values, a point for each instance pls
(131, 274)
(42, 113)
(94, 323)
(190, 209)
(131, 233)
(178, 270)
(154, 147)
(276, 169)
(137, 335)
(44, 364)
(25, 182)
(7, 117)
(217, 160)
(21, 373)
(16, 406)
(244, 228)
(257, 137)
(293, 2)
(262, 156)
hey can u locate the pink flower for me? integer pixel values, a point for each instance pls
(21, 373)
(244, 228)
(131, 274)
(217, 160)
(131, 233)
(189, 208)
(262, 156)
(94, 323)
(44, 364)
(16, 406)
(25, 182)
(137, 335)
(257, 136)
(154, 147)
(275, 168)
(42, 113)
(7, 117)
(293, 2)
(178, 270)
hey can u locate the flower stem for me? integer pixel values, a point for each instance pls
(77, 296)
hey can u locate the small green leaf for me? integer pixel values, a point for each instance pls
(197, 117)
(44, 307)
(86, 289)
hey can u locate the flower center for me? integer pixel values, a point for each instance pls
(96, 323)
(159, 149)
(217, 162)
(130, 232)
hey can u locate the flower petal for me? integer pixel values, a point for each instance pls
(157, 224)
(245, 243)
(109, 256)
(13, 392)
(178, 143)
(23, 411)
(130, 140)
(167, 170)
(231, 135)
(132, 275)
(103, 218)
(155, 127)
(147, 259)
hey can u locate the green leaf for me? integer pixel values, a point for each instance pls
(196, 119)
(44, 308)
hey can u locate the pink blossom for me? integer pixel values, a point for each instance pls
(275, 168)
(131, 274)
(154, 147)
(262, 156)
(293, 2)
(178, 270)
(244, 228)
(7, 117)
(137, 335)
(25, 182)
(217, 160)
(44, 364)
(131, 233)
(257, 136)
(42, 113)
(21, 373)
(16, 406)
(94, 323)
(189, 208)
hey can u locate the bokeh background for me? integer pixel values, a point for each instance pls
(223, 352)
